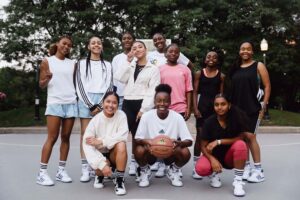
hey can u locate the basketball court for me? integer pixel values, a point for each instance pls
(19, 165)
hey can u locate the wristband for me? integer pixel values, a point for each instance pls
(219, 142)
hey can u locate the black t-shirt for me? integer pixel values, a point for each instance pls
(212, 130)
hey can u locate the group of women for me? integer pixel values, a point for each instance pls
(151, 94)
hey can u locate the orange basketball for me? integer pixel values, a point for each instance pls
(161, 146)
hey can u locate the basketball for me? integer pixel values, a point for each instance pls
(161, 146)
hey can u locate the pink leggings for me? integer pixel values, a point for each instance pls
(237, 151)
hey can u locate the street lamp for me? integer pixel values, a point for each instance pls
(264, 48)
(36, 67)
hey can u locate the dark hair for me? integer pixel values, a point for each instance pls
(107, 94)
(129, 33)
(158, 33)
(238, 62)
(88, 58)
(236, 120)
(141, 42)
(220, 55)
(163, 88)
(53, 47)
(172, 45)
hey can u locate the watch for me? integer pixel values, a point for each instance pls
(219, 142)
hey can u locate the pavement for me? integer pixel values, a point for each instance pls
(20, 156)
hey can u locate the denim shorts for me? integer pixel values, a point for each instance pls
(83, 110)
(62, 110)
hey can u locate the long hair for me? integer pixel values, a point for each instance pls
(236, 120)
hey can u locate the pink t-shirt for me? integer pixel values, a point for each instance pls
(179, 77)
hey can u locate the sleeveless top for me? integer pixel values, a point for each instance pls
(209, 87)
(245, 88)
(60, 89)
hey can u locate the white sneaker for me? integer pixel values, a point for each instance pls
(63, 176)
(132, 168)
(92, 172)
(119, 186)
(215, 180)
(155, 166)
(85, 173)
(247, 172)
(43, 178)
(174, 177)
(138, 175)
(257, 176)
(161, 170)
(144, 178)
(238, 189)
(98, 183)
(180, 173)
(195, 175)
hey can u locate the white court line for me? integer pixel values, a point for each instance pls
(278, 145)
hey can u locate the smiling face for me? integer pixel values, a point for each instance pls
(162, 102)
(246, 51)
(211, 59)
(110, 105)
(159, 42)
(139, 50)
(221, 106)
(64, 46)
(95, 46)
(127, 41)
(172, 54)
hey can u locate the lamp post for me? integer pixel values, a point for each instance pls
(36, 67)
(264, 48)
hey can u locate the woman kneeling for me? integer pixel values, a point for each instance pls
(104, 143)
(222, 144)
(162, 121)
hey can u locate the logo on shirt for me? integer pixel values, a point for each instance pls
(161, 131)
(153, 61)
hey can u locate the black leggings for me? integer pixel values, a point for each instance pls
(131, 109)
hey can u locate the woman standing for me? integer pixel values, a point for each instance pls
(246, 75)
(104, 143)
(208, 83)
(93, 78)
(120, 61)
(140, 78)
(56, 73)
(222, 144)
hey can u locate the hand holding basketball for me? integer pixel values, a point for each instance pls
(161, 146)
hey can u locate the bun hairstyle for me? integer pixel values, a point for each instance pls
(111, 93)
(236, 120)
(163, 88)
(53, 47)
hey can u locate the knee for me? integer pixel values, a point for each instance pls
(121, 148)
(52, 139)
(203, 168)
(139, 151)
(239, 145)
(65, 138)
(183, 153)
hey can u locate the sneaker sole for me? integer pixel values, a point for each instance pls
(63, 181)
(44, 184)
(249, 181)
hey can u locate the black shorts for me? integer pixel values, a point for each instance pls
(253, 118)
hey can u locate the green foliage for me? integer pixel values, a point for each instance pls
(196, 25)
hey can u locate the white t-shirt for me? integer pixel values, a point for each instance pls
(60, 89)
(173, 126)
(110, 131)
(97, 81)
(118, 62)
(159, 59)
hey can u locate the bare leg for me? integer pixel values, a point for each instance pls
(67, 125)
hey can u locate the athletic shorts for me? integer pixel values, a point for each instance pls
(83, 110)
(62, 110)
(252, 122)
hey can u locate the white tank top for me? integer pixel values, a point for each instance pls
(60, 88)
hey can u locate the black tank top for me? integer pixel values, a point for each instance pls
(245, 88)
(209, 87)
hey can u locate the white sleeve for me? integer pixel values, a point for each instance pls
(142, 130)
(121, 133)
(148, 101)
(94, 157)
(123, 73)
(183, 60)
(184, 132)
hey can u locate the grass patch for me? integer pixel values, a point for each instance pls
(282, 118)
(21, 117)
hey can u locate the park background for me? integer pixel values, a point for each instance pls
(29, 27)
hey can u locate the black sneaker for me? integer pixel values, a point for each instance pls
(98, 182)
(119, 186)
